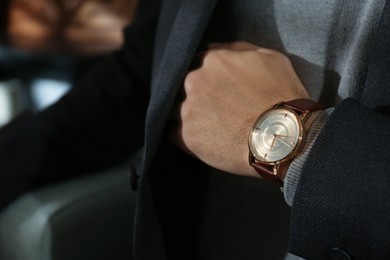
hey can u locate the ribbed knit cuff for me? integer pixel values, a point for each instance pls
(294, 171)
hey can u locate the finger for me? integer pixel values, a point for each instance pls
(268, 51)
(175, 136)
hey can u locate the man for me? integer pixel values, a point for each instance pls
(195, 103)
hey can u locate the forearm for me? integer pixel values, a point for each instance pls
(103, 115)
(99, 121)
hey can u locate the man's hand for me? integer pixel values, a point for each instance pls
(234, 85)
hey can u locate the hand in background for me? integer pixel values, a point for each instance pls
(234, 85)
(77, 26)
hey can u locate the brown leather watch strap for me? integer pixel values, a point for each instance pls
(303, 105)
(266, 171)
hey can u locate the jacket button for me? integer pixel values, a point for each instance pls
(339, 254)
(133, 178)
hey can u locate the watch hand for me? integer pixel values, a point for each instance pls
(284, 136)
(273, 141)
(283, 140)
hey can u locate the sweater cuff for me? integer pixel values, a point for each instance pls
(294, 171)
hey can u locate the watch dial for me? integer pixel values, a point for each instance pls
(275, 135)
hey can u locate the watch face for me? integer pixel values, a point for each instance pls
(275, 135)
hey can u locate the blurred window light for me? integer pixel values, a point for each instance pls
(6, 110)
(45, 92)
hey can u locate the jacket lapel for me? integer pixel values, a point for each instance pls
(182, 42)
(376, 91)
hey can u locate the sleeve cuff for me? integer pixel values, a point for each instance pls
(294, 171)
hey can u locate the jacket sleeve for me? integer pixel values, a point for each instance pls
(342, 204)
(98, 123)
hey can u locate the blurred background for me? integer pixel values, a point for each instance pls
(46, 44)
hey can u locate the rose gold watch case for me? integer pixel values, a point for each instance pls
(294, 152)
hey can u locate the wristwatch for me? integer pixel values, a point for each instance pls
(278, 136)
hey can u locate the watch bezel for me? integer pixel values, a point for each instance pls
(293, 153)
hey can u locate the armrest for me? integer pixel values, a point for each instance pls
(86, 218)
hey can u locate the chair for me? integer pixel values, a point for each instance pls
(86, 218)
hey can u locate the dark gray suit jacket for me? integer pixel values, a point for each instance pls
(343, 200)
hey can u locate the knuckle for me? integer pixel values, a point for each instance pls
(185, 111)
(278, 55)
(281, 56)
(242, 46)
(272, 53)
(274, 57)
(235, 44)
(187, 138)
(275, 53)
(213, 57)
(190, 81)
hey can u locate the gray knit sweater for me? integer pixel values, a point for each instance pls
(326, 41)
